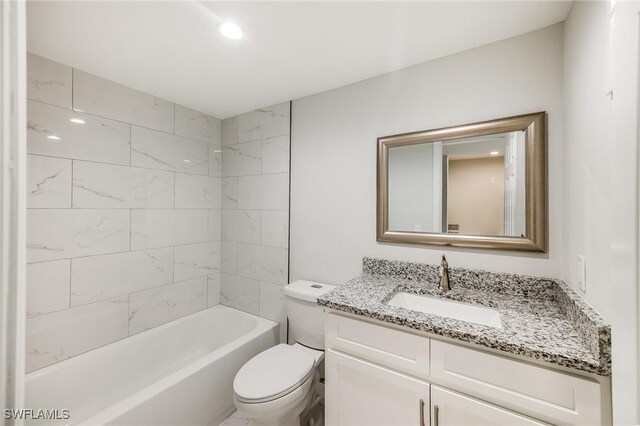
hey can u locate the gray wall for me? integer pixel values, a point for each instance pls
(600, 217)
(333, 151)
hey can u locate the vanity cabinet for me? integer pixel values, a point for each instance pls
(382, 375)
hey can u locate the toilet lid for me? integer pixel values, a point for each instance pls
(273, 373)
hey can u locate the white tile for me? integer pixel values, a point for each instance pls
(241, 226)
(98, 185)
(275, 155)
(48, 81)
(264, 123)
(228, 259)
(48, 182)
(283, 332)
(161, 228)
(262, 263)
(196, 260)
(272, 302)
(152, 308)
(242, 159)
(47, 287)
(98, 139)
(65, 233)
(274, 228)
(230, 193)
(237, 419)
(215, 225)
(240, 293)
(230, 131)
(213, 289)
(266, 192)
(197, 125)
(95, 278)
(60, 335)
(215, 161)
(162, 151)
(105, 98)
(198, 192)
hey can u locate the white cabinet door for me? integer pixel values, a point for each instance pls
(453, 409)
(361, 393)
(557, 397)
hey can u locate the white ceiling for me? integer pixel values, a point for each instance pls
(172, 49)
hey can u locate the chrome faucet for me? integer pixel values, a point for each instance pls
(444, 275)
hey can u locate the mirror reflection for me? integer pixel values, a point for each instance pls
(474, 185)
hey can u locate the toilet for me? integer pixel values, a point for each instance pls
(277, 385)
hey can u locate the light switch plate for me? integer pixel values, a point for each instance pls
(582, 272)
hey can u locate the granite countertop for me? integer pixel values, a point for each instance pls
(540, 318)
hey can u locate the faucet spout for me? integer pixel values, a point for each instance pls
(444, 275)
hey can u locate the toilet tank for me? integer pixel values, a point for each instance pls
(306, 318)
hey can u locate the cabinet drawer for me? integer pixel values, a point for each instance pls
(395, 349)
(551, 395)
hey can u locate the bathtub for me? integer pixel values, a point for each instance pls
(180, 373)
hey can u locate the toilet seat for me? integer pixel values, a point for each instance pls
(273, 374)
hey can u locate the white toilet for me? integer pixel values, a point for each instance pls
(274, 387)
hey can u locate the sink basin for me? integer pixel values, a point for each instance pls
(447, 308)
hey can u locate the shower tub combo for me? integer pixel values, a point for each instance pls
(180, 373)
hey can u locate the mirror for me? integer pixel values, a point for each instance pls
(475, 185)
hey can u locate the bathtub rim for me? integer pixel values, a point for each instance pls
(144, 394)
(130, 339)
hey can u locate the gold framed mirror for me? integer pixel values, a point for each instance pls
(481, 185)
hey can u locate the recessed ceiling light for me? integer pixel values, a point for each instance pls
(495, 152)
(231, 30)
(77, 120)
(53, 137)
(187, 161)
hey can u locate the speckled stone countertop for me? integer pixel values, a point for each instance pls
(541, 318)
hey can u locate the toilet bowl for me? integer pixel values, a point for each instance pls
(277, 385)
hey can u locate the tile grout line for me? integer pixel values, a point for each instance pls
(129, 123)
(72, 164)
(134, 251)
(206, 292)
(173, 265)
(289, 204)
(73, 77)
(70, 274)
(107, 299)
(127, 165)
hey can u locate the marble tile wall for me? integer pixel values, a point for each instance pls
(255, 209)
(124, 212)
